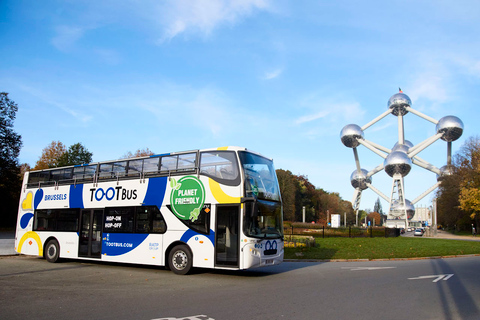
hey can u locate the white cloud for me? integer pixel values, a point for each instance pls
(431, 86)
(66, 36)
(273, 74)
(179, 16)
(312, 117)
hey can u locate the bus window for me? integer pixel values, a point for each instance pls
(135, 167)
(119, 220)
(90, 172)
(221, 166)
(40, 176)
(186, 161)
(169, 163)
(120, 168)
(150, 165)
(56, 220)
(149, 220)
(79, 173)
(106, 171)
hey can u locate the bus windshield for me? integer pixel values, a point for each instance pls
(263, 219)
(260, 177)
(263, 211)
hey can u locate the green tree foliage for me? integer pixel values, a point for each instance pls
(377, 207)
(76, 154)
(298, 192)
(459, 193)
(287, 183)
(10, 143)
(449, 213)
(56, 155)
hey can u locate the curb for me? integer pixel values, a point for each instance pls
(386, 259)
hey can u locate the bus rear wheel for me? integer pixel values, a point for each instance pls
(52, 251)
(180, 259)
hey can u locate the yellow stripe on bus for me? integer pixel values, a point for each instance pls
(34, 236)
(219, 194)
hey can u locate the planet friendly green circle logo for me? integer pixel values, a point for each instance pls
(187, 197)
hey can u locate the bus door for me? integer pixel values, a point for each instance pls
(227, 235)
(90, 242)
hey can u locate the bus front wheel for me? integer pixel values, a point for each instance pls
(180, 259)
(52, 251)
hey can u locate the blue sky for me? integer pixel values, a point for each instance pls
(278, 77)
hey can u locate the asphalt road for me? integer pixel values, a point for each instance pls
(30, 287)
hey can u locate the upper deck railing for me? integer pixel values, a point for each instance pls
(218, 167)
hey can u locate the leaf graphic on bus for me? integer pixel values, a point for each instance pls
(173, 183)
(178, 186)
(194, 214)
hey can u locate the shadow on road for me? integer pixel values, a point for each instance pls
(453, 293)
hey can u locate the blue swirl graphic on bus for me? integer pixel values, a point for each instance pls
(25, 219)
(116, 244)
(38, 198)
(190, 233)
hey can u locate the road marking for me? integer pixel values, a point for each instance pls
(367, 268)
(199, 317)
(437, 277)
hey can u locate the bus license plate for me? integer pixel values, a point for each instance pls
(269, 261)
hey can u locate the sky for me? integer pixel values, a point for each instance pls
(281, 78)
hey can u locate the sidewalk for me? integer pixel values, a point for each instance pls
(447, 235)
(7, 243)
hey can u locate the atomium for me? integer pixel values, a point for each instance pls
(445, 171)
(398, 161)
(360, 179)
(450, 127)
(398, 209)
(399, 103)
(350, 135)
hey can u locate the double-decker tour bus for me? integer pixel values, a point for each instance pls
(214, 208)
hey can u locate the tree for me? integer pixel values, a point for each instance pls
(10, 143)
(50, 156)
(138, 153)
(375, 218)
(458, 193)
(76, 154)
(377, 207)
(287, 183)
(468, 162)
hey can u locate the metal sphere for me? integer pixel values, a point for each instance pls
(397, 162)
(445, 171)
(398, 103)
(451, 127)
(359, 180)
(350, 135)
(402, 147)
(398, 209)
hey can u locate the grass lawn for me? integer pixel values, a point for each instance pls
(382, 248)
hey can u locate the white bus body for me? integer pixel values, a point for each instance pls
(216, 208)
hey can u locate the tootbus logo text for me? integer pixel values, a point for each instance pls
(117, 193)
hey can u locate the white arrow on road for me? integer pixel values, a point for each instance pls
(367, 268)
(437, 277)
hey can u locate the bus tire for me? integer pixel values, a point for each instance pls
(180, 259)
(52, 251)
